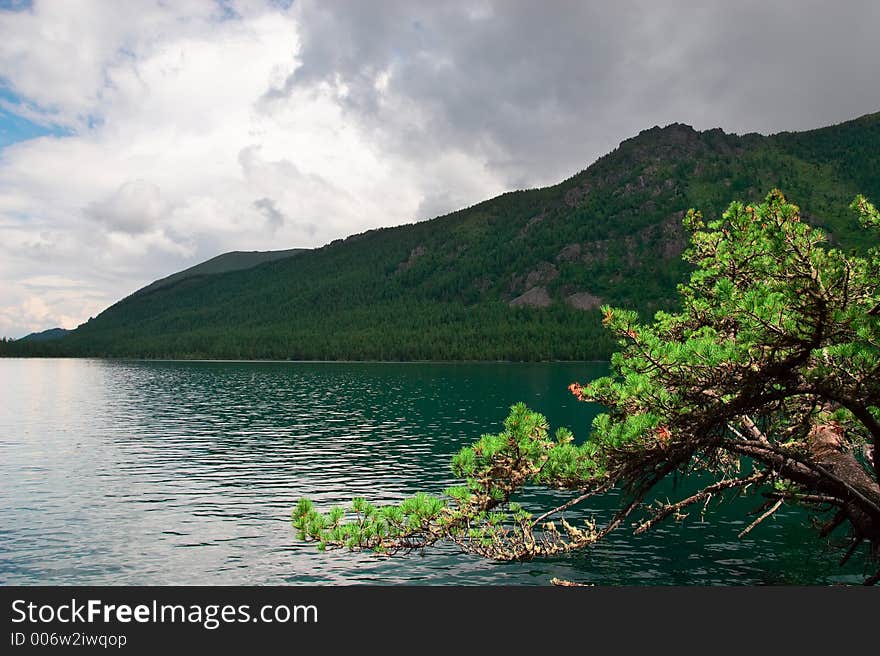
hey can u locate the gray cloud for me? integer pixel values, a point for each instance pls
(542, 89)
(434, 204)
(274, 217)
(135, 207)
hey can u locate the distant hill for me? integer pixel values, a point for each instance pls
(45, 336)
(516, 277)
(232, 261)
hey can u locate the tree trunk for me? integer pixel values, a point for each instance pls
(826, 446)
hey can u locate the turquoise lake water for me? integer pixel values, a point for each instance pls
(130, 472)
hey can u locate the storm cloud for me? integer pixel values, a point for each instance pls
(158, 141)
(542, 89)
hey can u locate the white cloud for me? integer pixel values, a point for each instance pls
(29, 310)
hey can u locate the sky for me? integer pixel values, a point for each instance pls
(140, 138)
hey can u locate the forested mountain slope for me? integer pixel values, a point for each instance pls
(516, 277)
(232, 261)
(46, 335)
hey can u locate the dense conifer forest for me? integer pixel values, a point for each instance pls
(517, 277)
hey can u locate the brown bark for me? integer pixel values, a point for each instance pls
(826, 447)
(829, 470)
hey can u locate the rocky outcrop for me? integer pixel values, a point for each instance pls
(541, 275)
(669, 237)
(536, 297)
(414, 255)
(583, 301)
(531, 223)
(571, 253)
(577, 195)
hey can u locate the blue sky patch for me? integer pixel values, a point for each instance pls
(15, 5)
(15, 128)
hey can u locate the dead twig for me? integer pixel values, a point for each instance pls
(748, 529)
(703, 494)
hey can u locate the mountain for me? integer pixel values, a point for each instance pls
(232, 261)
(516, 277)
(46, 335)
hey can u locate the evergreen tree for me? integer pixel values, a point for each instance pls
(767, 381)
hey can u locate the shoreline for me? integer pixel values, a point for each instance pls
(223, 360)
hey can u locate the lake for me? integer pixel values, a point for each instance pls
(148, 473)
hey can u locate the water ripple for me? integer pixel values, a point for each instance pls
(185, 473)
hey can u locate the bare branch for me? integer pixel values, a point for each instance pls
(753, 430)
(703, 494)
(748, 529)
(852, 548)
(568, 504)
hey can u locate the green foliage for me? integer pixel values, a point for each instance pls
(478, 514)
(767, 378)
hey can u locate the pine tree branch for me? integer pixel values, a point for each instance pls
(748, 529)
(568, 504)
(702, 495)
